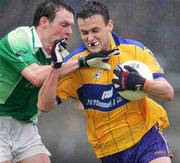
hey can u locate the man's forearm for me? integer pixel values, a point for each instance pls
(47, 93)
(68, 67)
(159, 88)
(36, 74)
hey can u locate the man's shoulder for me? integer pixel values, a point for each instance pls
(16, 33)
(126, 41)
(21, 37)
(20, 32)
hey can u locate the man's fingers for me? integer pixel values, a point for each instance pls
(94, 62)
(115, 80)
(104, 54)
(104, 65)
(60, 49)
(98, 59)
(114, 52)
(118, 70)
(129, 68)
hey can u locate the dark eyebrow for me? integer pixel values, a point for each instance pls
(83, 30)
(65, 22)
(94, 28)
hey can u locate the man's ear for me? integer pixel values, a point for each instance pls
(110, 25)
(43, 20)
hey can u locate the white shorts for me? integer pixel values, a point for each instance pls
(19, 140)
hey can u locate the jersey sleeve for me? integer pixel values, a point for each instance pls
(152, 62)
(19, 50)
(148, 58)
(68, 86)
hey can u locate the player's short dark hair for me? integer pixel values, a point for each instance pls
(49, 8)
(93, 7)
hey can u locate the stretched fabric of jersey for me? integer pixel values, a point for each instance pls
(113, 123)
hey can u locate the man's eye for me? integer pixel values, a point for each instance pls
(64, 25)
(95, 30)
(84, 33)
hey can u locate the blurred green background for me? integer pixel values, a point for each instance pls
(156, 23)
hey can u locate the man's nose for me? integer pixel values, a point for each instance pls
(90, 37)
(69, 31)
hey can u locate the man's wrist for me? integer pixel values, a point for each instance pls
(140, 86)
(56, 65)
(146, 85)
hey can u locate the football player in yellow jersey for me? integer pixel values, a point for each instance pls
(119, 130)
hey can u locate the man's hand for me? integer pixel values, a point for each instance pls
(128, 80)
(58, 53)
(97, 59)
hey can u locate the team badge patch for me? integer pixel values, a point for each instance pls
(97, 75)
(21, 52)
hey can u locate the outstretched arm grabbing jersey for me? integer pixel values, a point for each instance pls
(48, 89)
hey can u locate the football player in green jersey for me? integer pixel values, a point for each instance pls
(24, 59)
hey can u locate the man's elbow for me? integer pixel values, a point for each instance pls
(170, 95)
(37, 82)
(44, 108)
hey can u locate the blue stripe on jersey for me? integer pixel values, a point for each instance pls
(74, 52)
(118, 40)
(100, 97)
(158, 75)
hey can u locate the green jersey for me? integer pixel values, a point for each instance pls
(18, 97)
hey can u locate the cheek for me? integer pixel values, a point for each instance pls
(58, 30)
(83, 38)
(105, 38)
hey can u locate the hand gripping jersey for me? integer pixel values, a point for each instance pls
(18, 97)
(114, 124)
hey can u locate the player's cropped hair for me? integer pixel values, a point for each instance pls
(49, 8)
(93, 7)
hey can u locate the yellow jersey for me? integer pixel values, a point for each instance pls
(113, 123)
